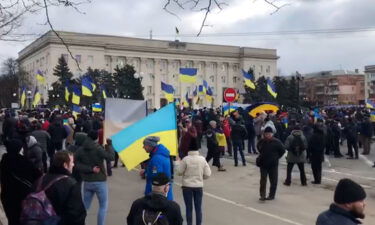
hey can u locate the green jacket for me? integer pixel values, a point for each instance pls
(89, 155)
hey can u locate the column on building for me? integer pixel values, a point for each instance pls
(142, 73)
(157, 83)
(221, 71)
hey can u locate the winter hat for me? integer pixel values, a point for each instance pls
(348, 191)
(212, 123)
(13, 146)
(193, 145)
(160, 179)
(268, 130)
(93, 135)
(30, 140)
(151, 141)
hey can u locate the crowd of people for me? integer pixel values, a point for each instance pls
(65, 159)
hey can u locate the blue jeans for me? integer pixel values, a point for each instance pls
(101, 191)
(190, 195)
(237, 147)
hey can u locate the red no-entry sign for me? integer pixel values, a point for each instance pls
(230, 94)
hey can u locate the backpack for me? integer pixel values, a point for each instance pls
(297, 146)
(37, 208)
(154, 218)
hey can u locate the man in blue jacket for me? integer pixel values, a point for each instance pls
(159, 162)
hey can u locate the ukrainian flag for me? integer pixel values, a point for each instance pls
(188, 75)
(93, 86)
(205, 87)
(67, 93)
(97, 107)
(209, 95)
(23, 97)
(37, 97)
(372, 116)
(249, 79)
(168, 91)
(40, 77)
(129, 142)
(186, 101)
(104, 92)
(76, 111)
(201, 90)
(177, 102)
(76, 95)
(284, 121)
(228, 109)
(86, 87)
(370, 104)
(271, 88)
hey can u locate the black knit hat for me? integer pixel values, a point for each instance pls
(348, 191)
(268, 130)
(193, 145)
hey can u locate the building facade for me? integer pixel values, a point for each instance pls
(333, 87)
(154, 61)
(370, 82)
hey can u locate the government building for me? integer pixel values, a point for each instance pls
(154, 61)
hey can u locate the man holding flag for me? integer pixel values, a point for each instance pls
(159, 162)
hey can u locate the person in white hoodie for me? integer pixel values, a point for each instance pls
(268, 123)
(194, 169)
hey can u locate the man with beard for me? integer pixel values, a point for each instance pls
(348, 205)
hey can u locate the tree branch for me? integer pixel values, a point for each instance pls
(61, 39)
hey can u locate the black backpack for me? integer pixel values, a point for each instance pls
(154, 218)
(297, 146)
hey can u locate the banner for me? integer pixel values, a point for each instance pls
(121, 113)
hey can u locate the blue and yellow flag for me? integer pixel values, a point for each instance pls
(67, 93)
(87, 88)
(228, 109)
(104, 91)
(93, 85)
(37, 97)
(177, 102)
(370, 104)
(168, 91)
(76, 98)
(129, 142)
(248, 79)
(201, 90)
(209, 95)
(195, 92)
(185, 103)
(23, 97)
(205, 87)
(97, 107)
(188, 75)
(271, 88)
(40, 77)
(284, 121)
(76, 110)
(372, 116)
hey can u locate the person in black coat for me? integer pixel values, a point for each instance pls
(315, 151)
(65, 194)
(250, 135)
(58, 134)
(351, 135)
(156, 202)
(270, 151)
(17, 176)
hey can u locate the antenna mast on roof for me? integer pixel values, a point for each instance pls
(151, 34)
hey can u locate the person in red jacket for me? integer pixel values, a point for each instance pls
(227, 131)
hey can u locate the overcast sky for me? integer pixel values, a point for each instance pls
(305, 53)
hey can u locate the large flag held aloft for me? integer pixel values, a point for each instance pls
(40, 77)
(87, 87)
(129, 142)
(201, 90)
(168, 91)
(185, 103)
(370, 104)
(104, 91)
(227, 109)
(37, 97)
(209, 95)
(205, 87)
(188, 75)
(271, 88)
(76, 110)
(249, 79)
(76, 95)
(23, 97)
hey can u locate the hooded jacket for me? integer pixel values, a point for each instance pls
(89, 155)
(157, 203)
(159, 162)
(34, 152)
(292, 157)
